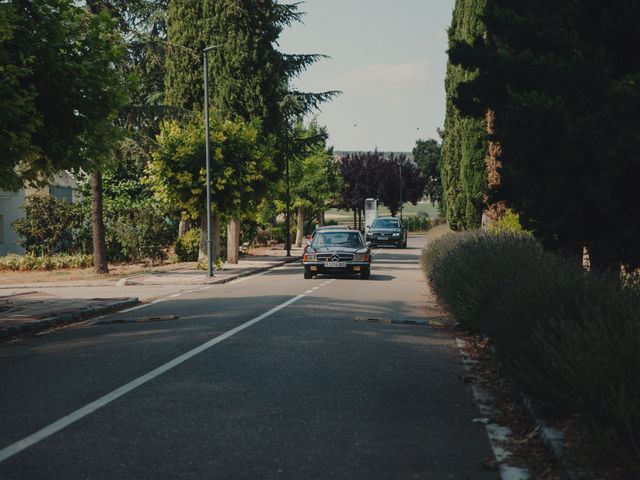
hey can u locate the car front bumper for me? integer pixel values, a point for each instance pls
(349, 267)
(385, 240)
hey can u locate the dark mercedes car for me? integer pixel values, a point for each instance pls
(387, 231)
(338, 250)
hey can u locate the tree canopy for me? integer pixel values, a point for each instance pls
(61, 93)
(428, 157)
(563, 87)
(464, 146)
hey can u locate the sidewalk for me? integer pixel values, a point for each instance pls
(34, 302)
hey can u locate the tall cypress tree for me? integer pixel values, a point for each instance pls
(187, 36)
(464, 146)
(564, 90)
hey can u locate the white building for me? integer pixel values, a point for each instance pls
(63, 186)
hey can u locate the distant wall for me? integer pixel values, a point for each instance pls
(10, 210)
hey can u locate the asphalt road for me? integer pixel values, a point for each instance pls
(266, 377)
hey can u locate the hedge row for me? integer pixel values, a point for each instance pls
(29, 262)
(568, 338)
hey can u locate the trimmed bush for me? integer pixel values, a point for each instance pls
(30, 262)
(567, 337)
(419, 223)
(188, 245)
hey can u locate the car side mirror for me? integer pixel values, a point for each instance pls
(368, 244)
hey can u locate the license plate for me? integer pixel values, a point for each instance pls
(335, 264)
(383, 238)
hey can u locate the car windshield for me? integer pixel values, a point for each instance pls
(327, 239)
(385, 223)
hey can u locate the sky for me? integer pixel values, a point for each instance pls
(389, 59)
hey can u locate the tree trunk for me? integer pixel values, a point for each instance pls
(355, 219)
(300, 227)
(99, 249)
(183, 227)
(215, 237)
(321, 219)
(360, 219)
(233, 241)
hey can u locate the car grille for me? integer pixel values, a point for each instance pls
(326, 257)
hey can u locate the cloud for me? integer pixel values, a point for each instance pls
(389, 78)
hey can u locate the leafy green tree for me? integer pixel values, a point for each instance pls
(464, 147)
(564, 90)
(240, 159)
(249, 77)
(62, 92)
(427, 154)
(315, 179)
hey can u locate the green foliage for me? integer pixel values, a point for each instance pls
(315, 178)
(188, 245)
(29, 262)
(240, 164)
(427, 154)
(62, 91)
(46, 227)
(508, 222)
(188, 35)
(565, 99)
(417, 224)
(142, 231)
(464, 147)
(569, 338)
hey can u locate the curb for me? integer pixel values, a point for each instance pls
(217, 281)
(246, 273)
(65, 318)
(551, 438)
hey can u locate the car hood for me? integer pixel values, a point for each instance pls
(338, 248)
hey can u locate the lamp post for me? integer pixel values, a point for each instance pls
(205, 53)
(400, 169)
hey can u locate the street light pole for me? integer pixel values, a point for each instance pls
(400, 167)
(288, 202)
(205, 53)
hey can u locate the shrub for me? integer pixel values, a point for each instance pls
(418, 223)
(508, 222)
(46, 227)
(30, 262)
(143, 232)
(188, 246)
(567, 337)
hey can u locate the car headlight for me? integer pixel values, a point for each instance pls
(396, 234)
(310, 257)
(361, 257)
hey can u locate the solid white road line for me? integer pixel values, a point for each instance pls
(64, 422)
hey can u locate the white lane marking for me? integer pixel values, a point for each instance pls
(64, 422)
(130, 309)
(308, 291)
(174, 295)
(497, 433)
(315, 288)
(158, 300)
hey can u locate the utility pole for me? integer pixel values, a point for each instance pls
(288, 201)
(205, 53)
(400, 169)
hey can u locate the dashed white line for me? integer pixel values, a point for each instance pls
(64, 422)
